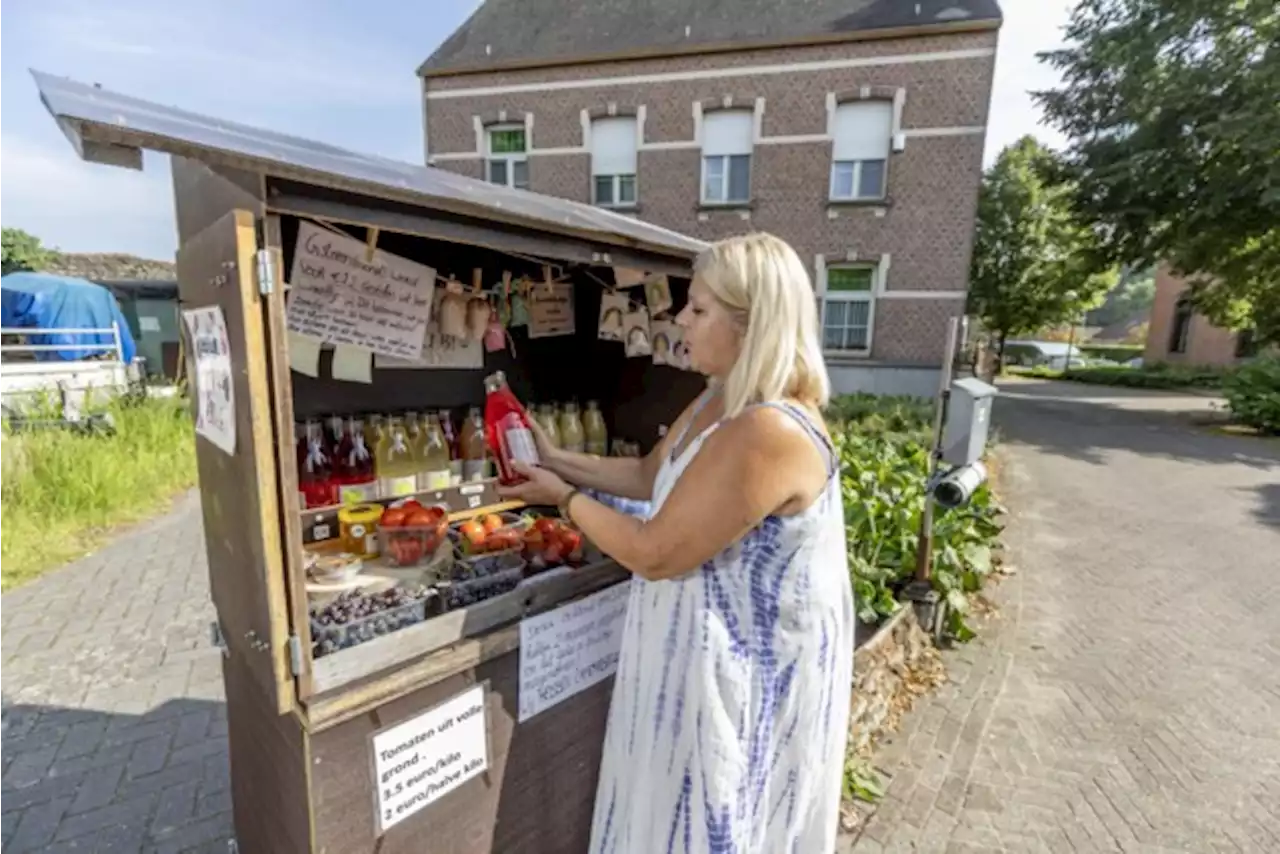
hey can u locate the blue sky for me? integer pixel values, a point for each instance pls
(339, 72)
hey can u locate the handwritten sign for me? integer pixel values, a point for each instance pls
(341, 298)
(565, 651)
(441, 351)
(551, 310)
(215, 392)
(423, 759)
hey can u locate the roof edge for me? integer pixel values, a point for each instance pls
(941, 28)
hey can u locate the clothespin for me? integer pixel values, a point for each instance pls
(370, 245)
(506, 284)
(547, 278)
(477, 280)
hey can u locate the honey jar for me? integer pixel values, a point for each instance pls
(358, 529)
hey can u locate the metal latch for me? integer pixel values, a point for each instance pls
(217, 638)
(266, 262)
(295, 655)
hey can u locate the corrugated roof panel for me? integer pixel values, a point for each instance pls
(108, 127)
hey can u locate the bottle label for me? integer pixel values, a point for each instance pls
(433, 480)
(597, 448)
(398, 487)
(521, 446)
(359, 494)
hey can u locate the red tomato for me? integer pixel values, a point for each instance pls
(546, 526)
(411, 504)
(420, 517)
(491, 521)
(570, 540)
(393, 517)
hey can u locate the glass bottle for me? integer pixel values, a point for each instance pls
(315, 473)
(433, 458)
(596, 437)
(451, 439)
(550, 424)
(572, 435)
(397, 464)
(507, 429)
(359, 482)
(473, 446)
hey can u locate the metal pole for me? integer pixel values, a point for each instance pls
(1071, 345)
(924, 545)
(115, 333)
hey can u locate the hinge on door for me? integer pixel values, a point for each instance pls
(295, 655)
(266, 271)
(217, 638)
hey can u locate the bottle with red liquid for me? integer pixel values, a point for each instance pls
(507, 430)
(455, 452)
(353, 465)
(315, 468)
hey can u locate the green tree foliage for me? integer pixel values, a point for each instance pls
(22, 251)
(1033, 264)
(1129, 300)
(1170, 109)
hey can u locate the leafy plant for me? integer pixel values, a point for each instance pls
(884, 453)
(23, 251)
(1158, 376)
(861, 781)
(1253, 394)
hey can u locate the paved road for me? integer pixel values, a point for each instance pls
(114, 730)
(1128, 698)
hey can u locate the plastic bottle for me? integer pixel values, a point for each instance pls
(451, 438)
(315, 469)
(397, 465)
(433, 458)
(550, 423)
(507, 429)
(473, 446)
(572, 434)
(596, 437)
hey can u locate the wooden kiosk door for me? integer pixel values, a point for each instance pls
(235, 449)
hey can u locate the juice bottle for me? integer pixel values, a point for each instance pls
(455, 450)
(546, 417)
(373, 427)
(358, 482)
(433, 459)
(572, 435)
(506, 428)
(397, 465)
(413, 425)
(473, 447)
(315, 472)
(595, 435)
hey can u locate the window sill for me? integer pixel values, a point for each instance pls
(726, 206)
(628, 208)
(860, 203)
(846, 355)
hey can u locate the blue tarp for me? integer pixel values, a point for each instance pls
(41, 301)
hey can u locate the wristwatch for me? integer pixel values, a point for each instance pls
(563, 506)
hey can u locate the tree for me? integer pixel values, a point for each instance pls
(1169, 107)
(22, 251)
(1128, 300)
(1033, 265)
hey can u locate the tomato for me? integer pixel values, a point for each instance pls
(393, 517)
(553, 555)
(570, 540)
(502, 540)
(421, 517)
(405, 550)
(491, 521)
(547, 526)
(473, 532)
(411, 504)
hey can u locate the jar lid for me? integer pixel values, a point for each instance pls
(360, 513)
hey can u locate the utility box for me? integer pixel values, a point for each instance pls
(964, 436)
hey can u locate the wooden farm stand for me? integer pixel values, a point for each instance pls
(301, 729)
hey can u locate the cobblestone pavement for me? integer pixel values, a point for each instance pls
(1128, 696)
(114, 730)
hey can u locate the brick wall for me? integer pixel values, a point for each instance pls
(923, 230)
(1206, 344)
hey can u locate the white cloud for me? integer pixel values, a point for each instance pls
(85, 207)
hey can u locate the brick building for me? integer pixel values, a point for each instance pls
(852, 129)
(1178, 335)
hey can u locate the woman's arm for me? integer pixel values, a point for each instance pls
(757, 464)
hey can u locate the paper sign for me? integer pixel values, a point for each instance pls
(215, 397)
(565, 651)
(304, 354)
(352, 364)
(657, 293)
(441, 351)
(423, 759)
(551, 310)
(636, 332)
(340, 298)
(613, 307)
(667, 342)
(625, 277)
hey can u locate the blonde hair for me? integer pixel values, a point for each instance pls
(762, 281)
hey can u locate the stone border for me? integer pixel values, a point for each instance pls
(879, 667)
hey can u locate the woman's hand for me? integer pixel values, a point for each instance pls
(542, 487)
(547, 452)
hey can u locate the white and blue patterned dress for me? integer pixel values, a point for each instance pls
(730, 708)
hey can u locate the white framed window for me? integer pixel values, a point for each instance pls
(613, 162)
(863, 134)
(726, 156)
(848, 308)
(508, 156)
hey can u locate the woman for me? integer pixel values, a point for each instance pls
(730, 707)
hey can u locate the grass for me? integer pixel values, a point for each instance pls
(1163, 377)
(63, 492)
